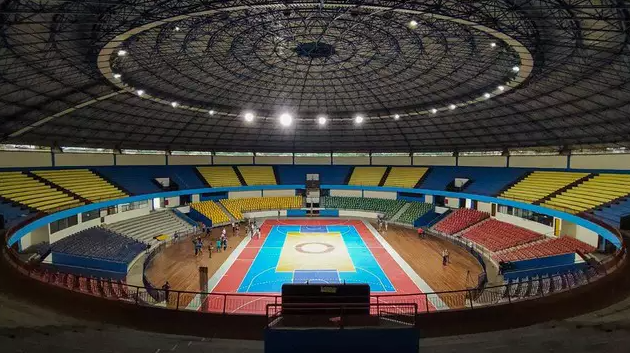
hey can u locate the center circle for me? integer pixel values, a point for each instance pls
(314, 248)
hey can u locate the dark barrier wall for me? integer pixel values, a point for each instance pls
(80, 261)
(195, 215)
(364, 340)
(425, 219)
(549, 265)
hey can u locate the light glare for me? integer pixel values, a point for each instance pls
(433, 110)
(117, 76)
(452, 106)
(321, 120)
(122, 52)
(249, 117)
(358, 119)
(140, 92)
(286, 119)
(174, 104)
(486, 95)
(501, 88)
(211, 112)
(516, 69)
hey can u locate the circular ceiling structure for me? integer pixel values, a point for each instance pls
(325, 76)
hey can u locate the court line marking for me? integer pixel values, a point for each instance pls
(418, 281)
(267, 236)
(252, 280)
(358, 233)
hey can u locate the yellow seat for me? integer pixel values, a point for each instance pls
(258, 175)
(404, 177)
(367, 176)
(540, 184)
(25, 190)
(219, 176)
(593, 192)
(82, 182)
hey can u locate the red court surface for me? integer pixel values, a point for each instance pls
(224, 296)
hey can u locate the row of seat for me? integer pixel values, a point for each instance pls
(20, 188)
(225, 176)
(211, 210)
(386, 206)
(405, 177)
(258, 175)
(146, 228)
(591, 193)
(459, 220)
(540, 184)
(102, 287)
(546, 247)
(99, 243)
(82, 182)
(369, 176)
(237, 206)
(414, 211)
(495, 235)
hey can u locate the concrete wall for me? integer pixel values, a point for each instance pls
(265, 214)
(352, 160)
(434, 161)
(25, 159)
(428, 198)
(353, 193)
(244, 194)
(39, 235)
(83, 159)
(451, 202)
(233, 159)
(601, 161)
(172, 201)
(274, 193)
(580, 233)
(483, 161)
(140, 159)
(380, 195)
(538, 161)
(195, 198)
(274, 160)
(313, 160)
(189, 160)
(525, 223)
(391, 160)
(484, 207)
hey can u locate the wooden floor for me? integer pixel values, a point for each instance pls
(425, 258)
(180, 267)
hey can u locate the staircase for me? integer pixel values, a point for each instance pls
(145, 228)
(239, 176)
(384, 177)
(400, 212)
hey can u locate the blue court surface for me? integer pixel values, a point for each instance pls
(313, 254)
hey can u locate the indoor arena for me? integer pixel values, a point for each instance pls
(338, 176)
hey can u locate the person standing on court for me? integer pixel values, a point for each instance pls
(444, 257)
(166, 288)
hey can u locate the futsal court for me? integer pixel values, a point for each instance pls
(309, 251)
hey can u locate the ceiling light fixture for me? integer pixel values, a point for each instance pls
(413, 24)
(249, 117)
(140, 92)
(452, 106)
(516, 69)
(321, 120)
(501, 88)
(433, 110)
(486, 95)
(174, 104)
(117, 76)
(122, 52)
(211, 112)
(177, 28)
(358, 119)
(493, 44)
(286, 119)
(396, 117)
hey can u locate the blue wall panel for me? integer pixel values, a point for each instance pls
(80, 261)
(329, 213)
(296, 213)
(197, 216)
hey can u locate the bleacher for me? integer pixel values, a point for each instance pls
(386, 206)
(484, 180)
(20, 188)
(219, 176)
(414, 211)
(82, 182)
(258, 175)
(540, 184)
(404, 177)
(99, 243)
(145, 228)
(139, 180)
(612, 213)
(211, 210)
(591, 193)
(459, 220)
(545, 247)
(370, 176)
(495, 235)
(237, 206)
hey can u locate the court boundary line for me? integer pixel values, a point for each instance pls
(418, 281)
(218, 275)
(255, 257)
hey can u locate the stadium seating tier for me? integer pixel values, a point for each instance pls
(237, 206)
(386, 206)
(367, 176)
(540, 184)
(258, 175)
(591, 193)
(82, 182)
(404, 177)
(460, 220)
(20, 188)
(219, 176)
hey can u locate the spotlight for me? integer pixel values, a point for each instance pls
(358, 119)
(433, 111)
(140, 92)
(177, 28)
(501, 88)
(117, 76)
(286, 119)
(493, 44)
(249, 117)
(452, 106)
(122, 52)
(413, 24)
(321, 120)
(174, 104)
(516, 69)
(486, 95)
(211, 112)
(396, 117)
